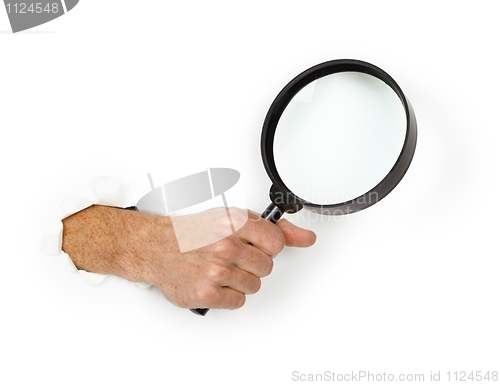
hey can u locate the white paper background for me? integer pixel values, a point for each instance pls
(410, 285)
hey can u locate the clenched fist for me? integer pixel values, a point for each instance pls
(144, 248)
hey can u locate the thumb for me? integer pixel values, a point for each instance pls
(296, 236)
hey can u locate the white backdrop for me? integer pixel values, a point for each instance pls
(409, 286)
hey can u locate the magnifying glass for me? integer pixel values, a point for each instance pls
(336, 140)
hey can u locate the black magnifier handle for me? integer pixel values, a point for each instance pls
(273, 213)
(281, 203)
(201, 312)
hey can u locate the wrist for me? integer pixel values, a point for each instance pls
(145, 242)
(107, 240)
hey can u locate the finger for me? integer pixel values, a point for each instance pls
(242, 281)
(254, 261)
(213, 297)
(296, 236)
(231, 299)
(262, 234)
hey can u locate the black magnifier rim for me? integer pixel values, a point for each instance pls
(286, 95)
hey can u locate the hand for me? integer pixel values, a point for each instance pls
(144, 248)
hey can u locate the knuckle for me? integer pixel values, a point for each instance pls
(219, 219)
(238, 216)
(218, 273)
(221, 216)
(226, 247)
(236, 212)
(207, 295)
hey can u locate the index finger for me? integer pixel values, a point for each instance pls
(262, 234)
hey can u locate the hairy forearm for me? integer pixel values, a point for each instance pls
(108, 240)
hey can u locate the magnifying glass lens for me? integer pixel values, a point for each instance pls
(339, 137)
